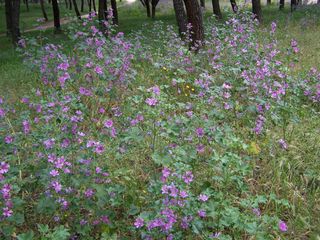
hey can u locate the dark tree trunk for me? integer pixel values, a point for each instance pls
(70, 4)
(147, 2)
(234, 6)
(216, 9)
(56, 15)
(102, 14)
(27, 5)
(256, 10)
(75, 5)
(66, 2)
(294, 4)
(154, 4)
(115, 19)
(181, 16)
(15, 15)
(82, 6)
(89, 5)
(43, 10)
(94, 5)
(8, 7)
(203, 3)
(195, 19)
(281, 5)
(268, 2)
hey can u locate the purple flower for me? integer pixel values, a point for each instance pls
(99, 149)
(49, 143)
(54, 173)
(139, 222)
(151, 101)
(283, 144)
(188, 177)
(2, 112)
(108, 123)
(7, 212)
(26, 126)
(85, 92)
(202, 213)
(89, 193)
(63, 66)
(200, 132)
(8, 139)
(56, 186)
(256, 211)
(4, 167)
(203, 198)
(98, 70)
(283, 226)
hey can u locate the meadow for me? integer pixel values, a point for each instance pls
(135, 136)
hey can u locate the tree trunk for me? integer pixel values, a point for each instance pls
(66, 2)
(56, 15)
(203, 3)
(216, 9)
(15, 15)
(102, 15)
(8, 7)
(89, 4)
(195, 19)
(234, 6)
(256, 10)
(75, 5)
(293, 5)
(281, 5)
(94, 5)
(268, 2)
(27, 5)
(115, 19)
(181, 16)
(153, 11)
(70, 4)
(82, 6)
(43, 10)
(147, 3)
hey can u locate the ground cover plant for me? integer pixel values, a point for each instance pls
(123, 139)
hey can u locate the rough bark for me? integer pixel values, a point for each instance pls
(195, 19)
(94, 5)
(281, 5)
(27, 5)
(256, 10)
(115, 19)
(89, 4)
(293, 4)
(56, 15)
(181, 16)
(70, 4)
(234, 6)
(44, 13)
(216, 9)
(75, 5)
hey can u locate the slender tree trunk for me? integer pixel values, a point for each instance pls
(256, 10)
(181, 16)
(234, 6)
(76, 9)
(102, 14)
(268, 2)
(203, 3)
(27, 5)
(115, 19)
(15, 15)
(66, 2)
(44, 13)
(94, 5)
(281, 5)
(70, 4)
(82, 6)
(153, 11)
(8, 7)
(216, 9)
(195, 19)
(56, 15)
(293, 5)
(147, 2)
(89, 4)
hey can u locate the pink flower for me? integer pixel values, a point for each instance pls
(139, 222)
(203, 197)
(108, 123)
(98, 70)
(151, 101)
(282, 226)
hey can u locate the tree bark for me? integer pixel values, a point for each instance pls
(293, 5)
(94, 5)
(44, 13)
(66, 2)
(268, 2)
(82, 6)
(154, 4)
(147, 2)
(281, 5)
(8, 7)
(89, 4)
(56, 15)
(75, 5)
(115, 19)
(256, 10)
(203, 3)
(27, 5)
(195, 19)
(234, 6)
(216, 9)
(70, 4)
(181, 16)
(15, 15)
